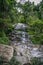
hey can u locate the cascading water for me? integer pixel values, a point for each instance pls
(24, 46)
(22, 31)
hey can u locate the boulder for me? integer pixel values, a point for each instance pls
(6, 52)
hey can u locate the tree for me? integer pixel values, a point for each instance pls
(7, 13)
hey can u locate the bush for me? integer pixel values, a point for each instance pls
(36, 61)
(13, 61)
(36, 31)
(3, 38)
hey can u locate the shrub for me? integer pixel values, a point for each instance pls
(36, 61)
(13, 61)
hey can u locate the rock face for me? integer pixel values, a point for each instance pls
(6, 52)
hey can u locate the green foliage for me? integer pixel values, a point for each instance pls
(3, 38)
(30, 14)
(21, 19)
(36, 61)
(36, 31)
(13, 61)
(7, 14)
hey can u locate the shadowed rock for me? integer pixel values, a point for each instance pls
(27, 64)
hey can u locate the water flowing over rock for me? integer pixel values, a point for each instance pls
(6, 52)
(20, 26)
(24, 53)
(25, 49)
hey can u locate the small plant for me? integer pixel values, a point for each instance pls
(36, 61)
(13, 61)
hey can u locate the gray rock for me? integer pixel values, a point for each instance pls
(22, 59)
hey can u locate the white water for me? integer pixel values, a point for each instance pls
(26, 43)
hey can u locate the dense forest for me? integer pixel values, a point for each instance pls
(12, 12)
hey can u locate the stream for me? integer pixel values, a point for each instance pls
(24, 47)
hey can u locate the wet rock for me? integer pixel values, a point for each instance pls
(25, 53)
(6, 52)
(20, 26)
